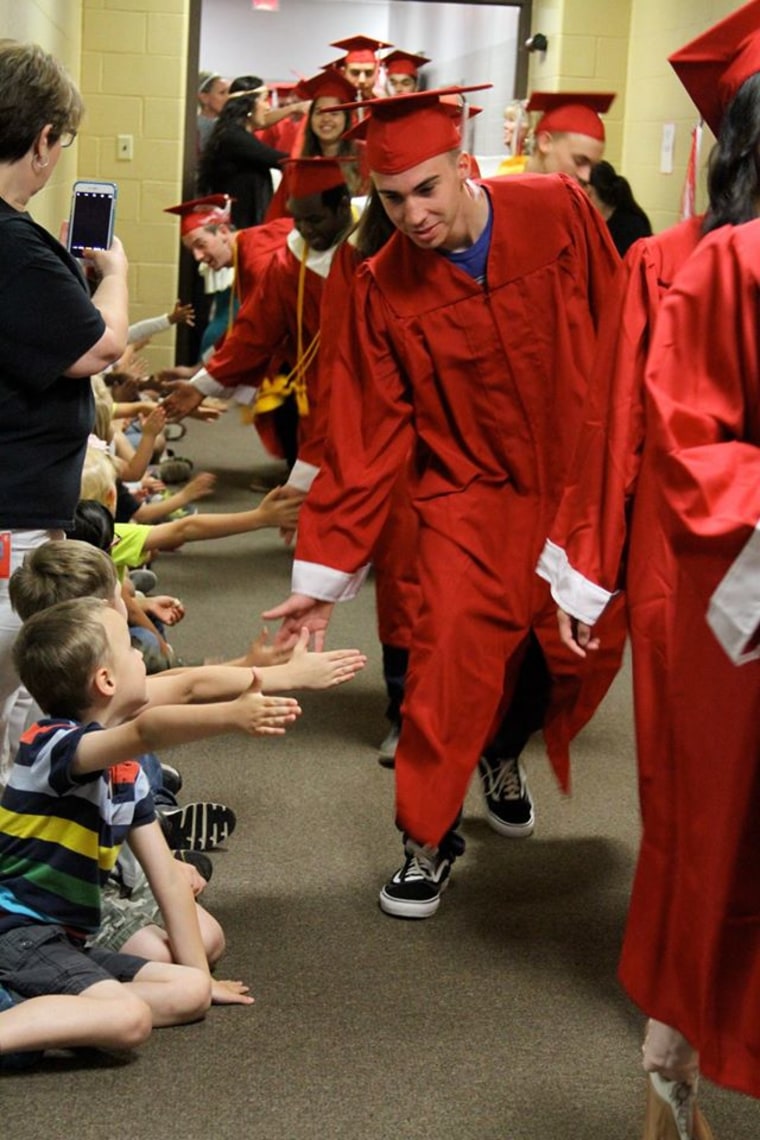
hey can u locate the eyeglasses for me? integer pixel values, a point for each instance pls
(67, 138)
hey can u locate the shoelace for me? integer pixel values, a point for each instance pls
(504, 783)
(418, 867)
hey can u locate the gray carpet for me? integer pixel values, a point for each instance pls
(498, 1019)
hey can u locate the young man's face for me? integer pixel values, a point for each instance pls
(401, 84)
(125, 668)
(426, 201)
(569, 154)
(319, 226)
(212, 246)
(362, 76)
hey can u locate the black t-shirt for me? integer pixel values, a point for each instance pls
(47, 321)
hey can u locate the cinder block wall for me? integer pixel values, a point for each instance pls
(623, 45)
(133, 70)
(588, 51)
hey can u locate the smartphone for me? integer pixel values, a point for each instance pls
(93, 206)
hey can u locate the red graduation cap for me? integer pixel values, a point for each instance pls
(328, 82)
(282, 90)
(714, 66)
(211, 210)
(403, 62)
(360, 49)
(307, 176)
(404, 130)
(574, 111)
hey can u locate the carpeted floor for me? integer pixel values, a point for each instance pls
(498, 1019)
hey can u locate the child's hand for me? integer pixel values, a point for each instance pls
(280, 508)
(182, 314)
(199, 486)
(230, 993)
(154, 423)
(152, 485)
(167, 609)
(322, 670)
(197, 883)
(260, 652)
(207, 413)
(263, 716)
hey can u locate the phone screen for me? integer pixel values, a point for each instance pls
(91, 221)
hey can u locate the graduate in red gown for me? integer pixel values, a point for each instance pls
(608, 533)
(402, 71)
(470, 339)
(703, 384)
(284, 307)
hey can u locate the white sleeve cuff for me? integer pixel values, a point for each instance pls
(573, 593)
(206, 384)
(326, 584)
(302, 476)
(734, 611)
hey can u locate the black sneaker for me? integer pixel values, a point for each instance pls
(197, 859)
(415, 890)
(508, 799)
(171, 778)
(198, 826)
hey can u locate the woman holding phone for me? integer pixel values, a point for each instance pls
(53, 336)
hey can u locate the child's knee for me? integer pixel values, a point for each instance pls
(132, 1022)
(193, 994)
(214, 942)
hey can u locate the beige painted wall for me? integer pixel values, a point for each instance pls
(57, 26)
(133, 82)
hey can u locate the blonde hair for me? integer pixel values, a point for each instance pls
(59, 571)
(103, 427)
(98, 478)
(57, 652)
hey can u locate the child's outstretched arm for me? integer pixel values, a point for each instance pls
(276, 510)
(307, 670)
(303, 670)
(177, 904)
(162, 727)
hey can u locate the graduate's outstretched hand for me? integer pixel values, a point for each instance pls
(576, 635)
(297, 612)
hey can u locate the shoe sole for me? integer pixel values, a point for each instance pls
(200, 826)
(511, 830)
(400, 908)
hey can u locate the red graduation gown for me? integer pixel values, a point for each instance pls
(486, 386)
(692, 951)
(394, 556)
(266, 326)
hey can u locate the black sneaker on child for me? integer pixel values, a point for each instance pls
(197, 859)
(416, 888)
(508, 798)
(198, 826)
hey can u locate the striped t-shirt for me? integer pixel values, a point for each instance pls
(60, 834)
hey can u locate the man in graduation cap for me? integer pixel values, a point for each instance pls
(229, 257)
(569, 137)
(609, 535)
(402, 71)
(283, 308)
(469, 340)
(361, 63)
